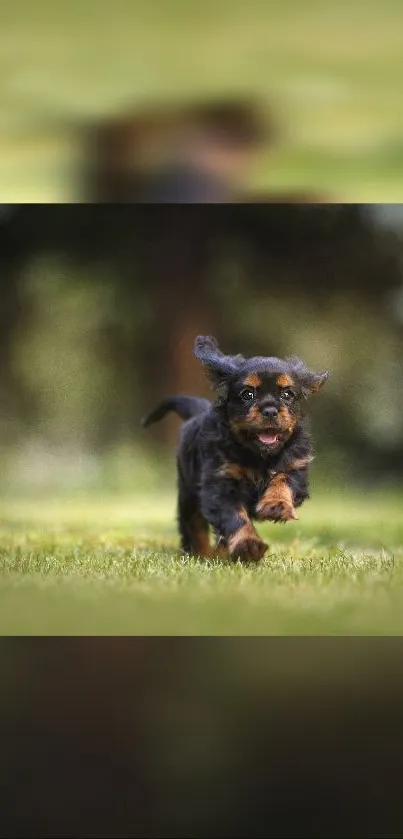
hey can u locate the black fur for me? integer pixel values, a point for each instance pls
(244, 456)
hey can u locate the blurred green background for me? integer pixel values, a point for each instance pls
(330, 73)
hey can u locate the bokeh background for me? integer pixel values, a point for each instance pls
(201, 737)
(101, 306)
(327, 75)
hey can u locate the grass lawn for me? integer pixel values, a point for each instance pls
(110, 565)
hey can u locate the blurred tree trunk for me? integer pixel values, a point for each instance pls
(174, 266)
(15, 400)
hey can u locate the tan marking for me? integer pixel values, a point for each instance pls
(232, 470)
(254, 415)
(253, 419)
(198, 529)
(245, 542)
(247, 531)
(284, 381)
(278, 494)
(253, 380)
(238, 473)
(286, 420)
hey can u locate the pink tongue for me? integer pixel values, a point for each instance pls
(268, 438)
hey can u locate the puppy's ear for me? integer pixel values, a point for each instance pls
(206, 345)
(318, 380)
(310, 382)
(219, 366)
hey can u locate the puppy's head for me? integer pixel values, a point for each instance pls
(263, 396)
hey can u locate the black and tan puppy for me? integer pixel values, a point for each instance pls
(245, 456)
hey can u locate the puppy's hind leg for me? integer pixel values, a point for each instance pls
(193, 527)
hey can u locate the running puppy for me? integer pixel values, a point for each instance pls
(245, 456)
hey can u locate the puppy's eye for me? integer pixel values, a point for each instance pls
(247, 394)
(288, 394)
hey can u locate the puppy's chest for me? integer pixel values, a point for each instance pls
(253, 483)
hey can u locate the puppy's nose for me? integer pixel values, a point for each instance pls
(270, 412)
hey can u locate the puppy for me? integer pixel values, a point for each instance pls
(245, 456)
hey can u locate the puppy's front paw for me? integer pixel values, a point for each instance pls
(248, 549)
(277, 511)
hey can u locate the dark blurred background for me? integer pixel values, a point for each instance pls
(100, 306)
(154, 737)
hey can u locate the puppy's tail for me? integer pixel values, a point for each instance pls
(186, 406)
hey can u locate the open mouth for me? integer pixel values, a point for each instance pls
(268, 438)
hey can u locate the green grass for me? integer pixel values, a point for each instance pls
(112, 566)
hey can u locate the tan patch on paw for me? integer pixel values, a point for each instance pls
(248, 549)
(245, 543)
(276, 503)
